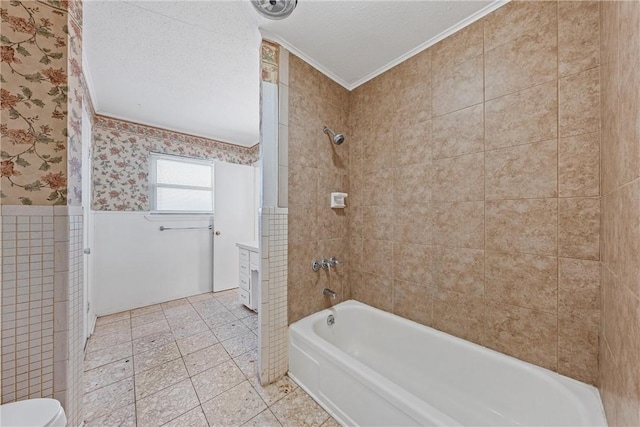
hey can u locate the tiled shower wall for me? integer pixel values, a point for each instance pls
(620, 246)
(316, 167)
(474, 185)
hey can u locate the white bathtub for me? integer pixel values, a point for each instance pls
(372, 368)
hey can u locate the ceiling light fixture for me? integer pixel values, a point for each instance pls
(274, 9)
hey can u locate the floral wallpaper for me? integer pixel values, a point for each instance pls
(33, 99)
(269, 62)
(120, 160)
(74, 117)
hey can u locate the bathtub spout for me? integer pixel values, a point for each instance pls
(329, 293)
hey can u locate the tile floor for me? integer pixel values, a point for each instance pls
(189, 362)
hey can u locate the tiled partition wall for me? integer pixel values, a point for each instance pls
(620, 245)
(474, 199)
(42, 329)
(42, 311)
(317, 167)
(27, 304)
(273, 302)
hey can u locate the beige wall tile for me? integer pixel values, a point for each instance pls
(378, 222)
(579, 165)
(303, 185)
(578, 36)
(619, 160)
(529, 281)
(458, 133)
(412, 301)
(307, 299)
(356, 184)
(413, 224)
(414, 94)
(374, 290)
(459, 314)
(303, 223)
(530, 115)
(459, 47)
(579, 288)
(355, 253)
(629, 98)
(522, 171)
(459, 224)
(523, 62)
(516, 19)
(300, 146)
(579, 228)
(458, 86)
(578, 348)
(460, 270)
(412, 143)
(332, 223)
(378, 152)
(620, 231)
(303, 76)
(377, 188)
(459, 178)
(355, 215)
(301, 255)
(523, 333)
(579, 103)
(334, 94)
(524, 226)
(621, 331)
(376, 257)
(412, 263)
(412, 184)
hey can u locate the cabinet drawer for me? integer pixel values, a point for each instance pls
(244, 267)
(245, 297)
(254, 258)
(244, 282)
(244, 254)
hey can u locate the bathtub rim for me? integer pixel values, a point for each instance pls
(303, 328)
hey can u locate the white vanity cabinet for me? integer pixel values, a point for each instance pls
(249, 274)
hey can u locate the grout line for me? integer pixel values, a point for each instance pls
(484, 199)
(557, 361)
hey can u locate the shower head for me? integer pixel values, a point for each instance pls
(335, 138)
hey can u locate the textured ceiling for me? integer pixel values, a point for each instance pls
(353, 41)
(193, 66)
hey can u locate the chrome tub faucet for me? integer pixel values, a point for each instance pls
(329, 293)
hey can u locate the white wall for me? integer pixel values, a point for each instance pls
(135, 264)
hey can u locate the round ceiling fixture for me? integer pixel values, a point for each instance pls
(274, 9)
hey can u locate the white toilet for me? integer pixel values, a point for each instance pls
(33, 413)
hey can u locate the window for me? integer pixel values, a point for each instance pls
(181, 185)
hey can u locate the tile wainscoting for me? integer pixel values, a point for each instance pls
(42, 298)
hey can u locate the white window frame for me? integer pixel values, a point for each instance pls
(153, 184)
